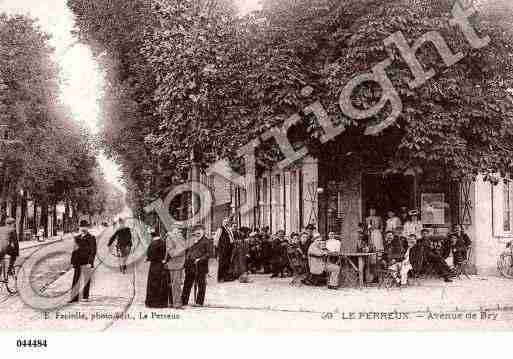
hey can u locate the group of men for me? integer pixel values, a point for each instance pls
(424, 254)
(84, 254)
(242, 251)
(177, 263)
(177, 260)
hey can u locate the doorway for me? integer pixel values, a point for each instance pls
(387, 192)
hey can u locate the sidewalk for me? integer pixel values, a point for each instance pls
(264, 293)
(272, 305)
(111, 292)
(35, 243)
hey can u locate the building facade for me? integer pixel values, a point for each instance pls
(336, 195)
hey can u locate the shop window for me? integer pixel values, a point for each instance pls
(502, 211)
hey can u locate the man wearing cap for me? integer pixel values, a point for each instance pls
(82, 260)
(196, 267)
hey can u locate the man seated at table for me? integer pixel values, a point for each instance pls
(317, 262)
(400, 264)
(333, 259)
(458, 249)
(422, 255)
(393, 253)
(394, 248)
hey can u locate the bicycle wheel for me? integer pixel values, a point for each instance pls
(505, 265)
(12, 277)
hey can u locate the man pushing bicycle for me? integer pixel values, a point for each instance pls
(124, 243)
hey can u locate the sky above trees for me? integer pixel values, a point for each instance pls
(81, 77)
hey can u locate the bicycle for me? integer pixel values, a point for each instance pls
(505, 261)
(9, 278)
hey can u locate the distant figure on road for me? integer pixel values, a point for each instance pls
(9, 242)
(82, 260)
(123, 244)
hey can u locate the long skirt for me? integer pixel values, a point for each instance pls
(157, 292)
(376, 238)
(224, 260)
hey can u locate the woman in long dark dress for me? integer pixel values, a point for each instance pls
(157, 290)
(239, 267)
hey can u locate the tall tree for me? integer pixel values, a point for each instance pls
(56, 155)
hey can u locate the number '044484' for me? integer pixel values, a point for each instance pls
(31, 343)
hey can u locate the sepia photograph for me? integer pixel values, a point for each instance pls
(255, 166)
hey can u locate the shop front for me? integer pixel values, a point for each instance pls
(348, 190)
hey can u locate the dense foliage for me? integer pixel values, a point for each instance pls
(115, 31)
(54, 157)
(215, 80)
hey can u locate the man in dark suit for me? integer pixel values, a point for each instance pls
(196, 266)
(267, 249)
(82, 260)
(422, 255)
(459, 231)
(13, 249)
(225, 239)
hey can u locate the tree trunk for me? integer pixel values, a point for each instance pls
(23, 215)
(5, 181)
(54, 214)
(65, 219)
(44, 218)
(34, 219)
(14, 206)
(75, 216)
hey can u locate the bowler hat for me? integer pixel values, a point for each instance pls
(84, 223)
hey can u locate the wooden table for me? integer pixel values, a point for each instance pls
(361, 263)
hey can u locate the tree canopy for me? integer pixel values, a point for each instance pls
(54, 155)
(215, 80)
